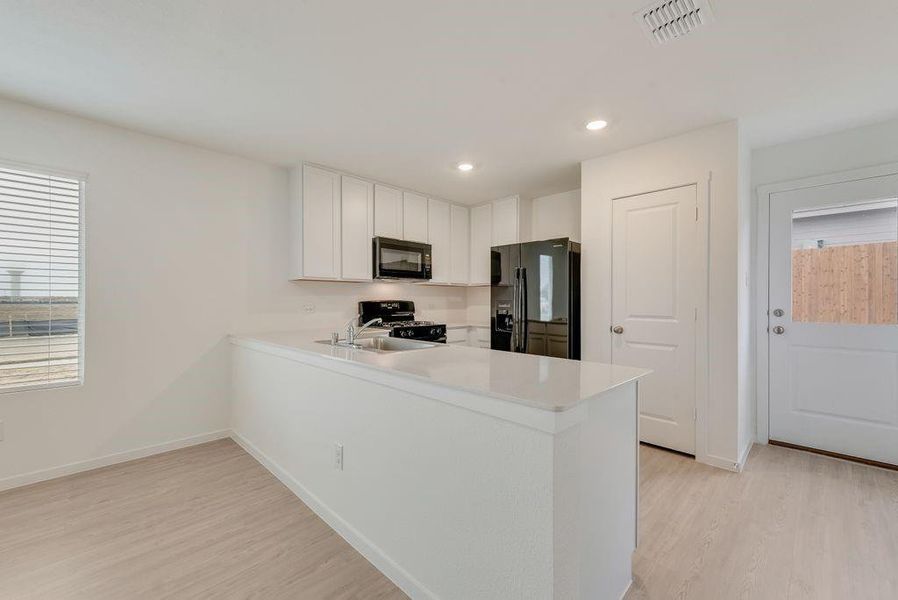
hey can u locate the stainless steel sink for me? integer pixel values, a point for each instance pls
(386, 344)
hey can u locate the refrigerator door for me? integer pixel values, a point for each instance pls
(505, 262)
(546, 274)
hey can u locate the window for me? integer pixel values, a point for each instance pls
(41, 305)
(845, 264)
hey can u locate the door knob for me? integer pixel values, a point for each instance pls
(617, 329)
(779, 330)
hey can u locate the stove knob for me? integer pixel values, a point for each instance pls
(433, 331)
(403, 333)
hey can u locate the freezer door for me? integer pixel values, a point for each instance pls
(546, 272)
(504, 264)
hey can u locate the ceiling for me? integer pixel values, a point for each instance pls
(402, 90)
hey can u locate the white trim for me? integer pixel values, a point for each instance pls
(764, 193)
(626, 589)
(377, 557)
(110, 459)
(743, 458)
(721, 463)
(43, 170)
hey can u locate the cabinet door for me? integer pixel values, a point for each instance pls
(387, 212)
(481, 242)
(506, 221)
(414, 217)
(556, 346)
(439, 237)
(320, 223)
(357, 227)
(460, 246)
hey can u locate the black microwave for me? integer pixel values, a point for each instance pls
(399, 259)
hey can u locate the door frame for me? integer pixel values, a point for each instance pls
(762, 264)
(702, 183)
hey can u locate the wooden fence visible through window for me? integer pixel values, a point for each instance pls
(856, 284)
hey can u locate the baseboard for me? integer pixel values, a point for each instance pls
(383, 563)
(719, 462)
(15, 481)
(743, 458)
(626, 590)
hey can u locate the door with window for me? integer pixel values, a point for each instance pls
(833, 318)
(654, 281)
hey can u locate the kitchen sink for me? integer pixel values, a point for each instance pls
(386, 344)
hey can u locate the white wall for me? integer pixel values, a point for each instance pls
(556, 216)
(680, 160)
(184, 245)
(851, 149)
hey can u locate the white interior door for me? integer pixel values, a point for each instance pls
(654, 281)
(833, 318)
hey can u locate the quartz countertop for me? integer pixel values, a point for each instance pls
(542, 382)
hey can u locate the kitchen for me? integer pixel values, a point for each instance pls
(307, 300)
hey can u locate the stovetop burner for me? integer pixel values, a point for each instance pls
(399, 318)
(391, 324)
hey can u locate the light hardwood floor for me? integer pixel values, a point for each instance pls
(202, 522)
(791, 525)
(210, 522)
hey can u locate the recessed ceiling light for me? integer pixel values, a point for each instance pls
(465, 166)
(596, 125)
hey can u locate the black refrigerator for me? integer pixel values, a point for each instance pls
(535, 298)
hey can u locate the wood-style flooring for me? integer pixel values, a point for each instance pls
(792, 525)
(202, 522)
(210, 522)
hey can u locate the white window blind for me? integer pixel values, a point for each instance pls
(40, 279)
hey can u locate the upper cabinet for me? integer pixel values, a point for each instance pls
(414, 217)
(333, 217)
(481, 242)
(388, 205)
(460, 245)
(357, 227)
(439, 234)
(321, 227)
(506, 221)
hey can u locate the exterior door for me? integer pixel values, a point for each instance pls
(833, 318)
(654, 281)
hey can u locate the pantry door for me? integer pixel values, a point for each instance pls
(654, 290)
(833, 318)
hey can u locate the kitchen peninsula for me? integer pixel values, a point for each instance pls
(458, 472)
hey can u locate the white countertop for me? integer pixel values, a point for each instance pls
(542, 382)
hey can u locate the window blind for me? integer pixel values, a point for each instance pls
(40, 279)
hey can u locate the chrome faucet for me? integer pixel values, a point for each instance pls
(352, 333)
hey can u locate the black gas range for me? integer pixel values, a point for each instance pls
(398, 316)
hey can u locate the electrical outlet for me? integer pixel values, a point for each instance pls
(338, 457)
(309, 308)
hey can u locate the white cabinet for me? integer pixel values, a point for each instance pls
(357, 220)
(321, 244)
(387, 211)
(481, 242)
(460, 246)
(414, 217)
(439, 235)
(506, 222)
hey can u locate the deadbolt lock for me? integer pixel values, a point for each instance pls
(778, 312)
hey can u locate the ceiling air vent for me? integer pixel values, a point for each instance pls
(668, 20)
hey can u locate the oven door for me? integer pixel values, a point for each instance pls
(399, 259)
